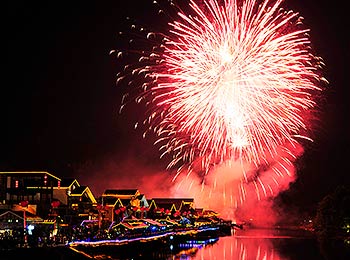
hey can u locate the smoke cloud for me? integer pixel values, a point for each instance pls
(237, 191)
(243, 192)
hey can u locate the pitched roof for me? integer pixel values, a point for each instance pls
(112, 201)
(8, 212)
(66, 182)
(79, 191)
(167, 203)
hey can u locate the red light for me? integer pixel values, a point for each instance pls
(16, 184)
(59, 184)
(24, 203)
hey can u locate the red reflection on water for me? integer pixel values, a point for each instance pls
(255, 244)
(239, 248)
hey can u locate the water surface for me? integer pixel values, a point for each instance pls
(270, 244)
(247, 244)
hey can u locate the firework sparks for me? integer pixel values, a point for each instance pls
(230, 82)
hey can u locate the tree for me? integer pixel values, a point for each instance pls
(333, 214)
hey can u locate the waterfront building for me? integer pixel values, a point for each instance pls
(39, 206)
(160, 207)
(123, 203)
(43, 200)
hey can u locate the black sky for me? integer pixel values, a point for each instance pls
(59, 101)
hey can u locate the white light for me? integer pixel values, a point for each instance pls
(30, 228)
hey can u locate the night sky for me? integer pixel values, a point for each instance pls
(59, 100)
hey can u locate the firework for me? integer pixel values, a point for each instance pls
(228, 81)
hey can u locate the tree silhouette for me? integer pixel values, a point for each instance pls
(333, 214)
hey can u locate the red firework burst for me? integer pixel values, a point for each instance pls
(230, 82)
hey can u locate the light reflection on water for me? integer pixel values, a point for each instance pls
(248, 244)
(265, 244)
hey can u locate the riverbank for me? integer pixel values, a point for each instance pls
(139, 247)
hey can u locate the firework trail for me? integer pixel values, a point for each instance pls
(230, 82)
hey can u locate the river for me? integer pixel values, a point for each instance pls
(247, 244)
(270, 244)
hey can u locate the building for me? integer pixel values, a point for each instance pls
(44, 197)
(121, 203)
(171, 207)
